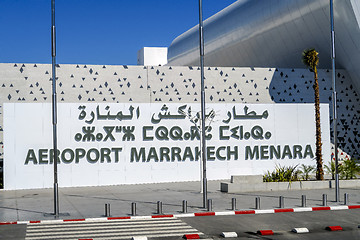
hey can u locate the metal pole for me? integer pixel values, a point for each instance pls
(281, 202)
(324, 199)
(257, 202)
(203, 140)
(233, 204)
(159, 207)
(334, 98)
(209, 206)
(303, 200)
(107, 209)
(133, 209)
(184, 206)
(54, 118)
(346, 198)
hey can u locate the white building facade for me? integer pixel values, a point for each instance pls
(140, 124)
(137, 124)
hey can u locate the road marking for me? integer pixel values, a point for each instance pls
(114, 229)
(282, 210)
(183, 215)
(334, 228)
(224, 213)
(265, 232)
(305, 209)
(300, 230)
(339, 208)
(228, 234)
(264, 211)
(140, 238)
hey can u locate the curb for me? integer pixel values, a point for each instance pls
(334, 228)
(265, 232)
(199, 214)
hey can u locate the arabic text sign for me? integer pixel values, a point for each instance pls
(102, 144)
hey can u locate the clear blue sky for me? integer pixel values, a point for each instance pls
(94, 31)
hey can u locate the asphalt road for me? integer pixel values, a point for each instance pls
(13, 232)
(246, 226)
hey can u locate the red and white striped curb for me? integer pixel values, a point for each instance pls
(199, 214)
(191, 236)
(334, 228)
(265, 232)
(300, 230)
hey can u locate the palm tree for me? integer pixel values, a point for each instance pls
(310, 59)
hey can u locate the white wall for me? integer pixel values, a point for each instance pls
(97, 149)
(152, 56)
(100, 84)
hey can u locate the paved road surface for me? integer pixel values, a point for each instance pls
(208, 227)
(114, 229)
(246, 226)
(88, 202)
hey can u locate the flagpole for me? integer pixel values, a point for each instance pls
(54, 110)
(203, 140)
(334, 99)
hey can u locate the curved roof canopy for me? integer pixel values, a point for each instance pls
(273, 33)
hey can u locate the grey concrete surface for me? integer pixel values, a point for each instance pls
(89, 202)
(13, 232)
(246, 226)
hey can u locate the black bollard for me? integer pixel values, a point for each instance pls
(303, 200)
(133, 208)
(281, 202)
(107, 209)
(257, 203)
(184, 206)
(346, 198)
(233, 204)
(209, 207)
(324, 199)
(159, 207)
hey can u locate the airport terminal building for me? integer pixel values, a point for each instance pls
(140, 124)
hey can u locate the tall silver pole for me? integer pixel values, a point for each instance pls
(337, 194)
(203, 140)
(54, 118)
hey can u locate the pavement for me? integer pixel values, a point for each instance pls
(89, 202)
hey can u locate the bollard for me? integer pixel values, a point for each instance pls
(303, 200)
(133, 208)
(233, 204)
(257, 203)
(209, 206)
(324, 199)
(346, 198)
(107, 209)
(159, 207)
(281, 202)
(184, 206)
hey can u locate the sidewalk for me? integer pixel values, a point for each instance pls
(89, 202)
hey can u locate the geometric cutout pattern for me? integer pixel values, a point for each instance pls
(136, 84)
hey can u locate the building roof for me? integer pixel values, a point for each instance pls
(274, 33)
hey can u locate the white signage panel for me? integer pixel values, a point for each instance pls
(112, 143)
